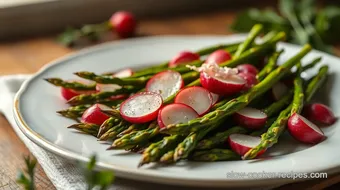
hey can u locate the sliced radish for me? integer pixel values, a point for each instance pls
(319, 113)
(251, 118)
(107, 87)
(141, 108)
(247, 68)
(279, 90)
(200, 99)
(174, 114)
(250, 79)
(95, 115)
(221, 86)
(67, 94)
(303, 130)
(215, 98)
(218, 56)
(165, 83)
(183, 57)
(241, 144)
(124, 73)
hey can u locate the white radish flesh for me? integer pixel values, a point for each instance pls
(174, 114)
(251, 118)
(141, 108)
(197, 98)
(95, 115)
(124, 73)
(215, 98)
(166, 83)
(241, 143)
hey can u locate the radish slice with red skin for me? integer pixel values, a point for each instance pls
(241, 143)
(218, 56)
(304, 131)
(165, 83)
(124, 73)
(141, 107)
(183, 57)
(222, 86)
(67, 94)
(250, 118)
(197, 98)
(94, 114)
(247, 68)
(174, 114)
(319, 113)
(215, 98)
(250, 79)
(279, 90)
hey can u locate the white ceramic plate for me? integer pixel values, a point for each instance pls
(37, 101)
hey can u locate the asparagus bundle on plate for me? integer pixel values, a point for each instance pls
(178, 109)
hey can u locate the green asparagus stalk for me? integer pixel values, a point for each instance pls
(112, 132)
(91, 129)
(271, 137)
(312, 64)
(254, 32)
(74, 112)
(132, 128)
(97, 97)
(316, 82)
(270, 66)
(108, 124)
(214, 155)
(167, 158)
(156, 150)
(135, 138)
(238, 103)
(71, 85)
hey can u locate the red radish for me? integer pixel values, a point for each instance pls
(124, 73)
(215, 98)
(196, 97)
(319, 113)
(241, 144)
(222, 86)
(165, 83)
(124, 23)
(250, 79)
(95, 115)
(247, 68)
(183, 57)
(141, 107)
(279, 90)
(69, 93)
(218, 56)
(303, 130)
(251, 118)
(174, 114)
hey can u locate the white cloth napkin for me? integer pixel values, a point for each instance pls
(63, 173)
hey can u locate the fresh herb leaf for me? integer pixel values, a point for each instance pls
(26, 177)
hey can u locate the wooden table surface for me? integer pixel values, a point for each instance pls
(29, 55)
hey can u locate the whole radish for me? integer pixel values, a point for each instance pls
(141, 107)
(247, 68)
(183, 57)
(250, 79)
(319, 113)
(95, 115)
(303, 130)
(124, 23)
(241, 143)
(218, 56)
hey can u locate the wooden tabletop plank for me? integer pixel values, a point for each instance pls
(29, 55)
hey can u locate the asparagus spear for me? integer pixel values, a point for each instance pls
(74, 112)
(108, 124)
(134, 138)
(91, 129)
(239, 102)
(167, 158)
(71, 85)
(271, 136)
(97, 97)
(132, 128)
(156, 150)
(254, 32)
(214, 155)
(265, 127)
(270, 66)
